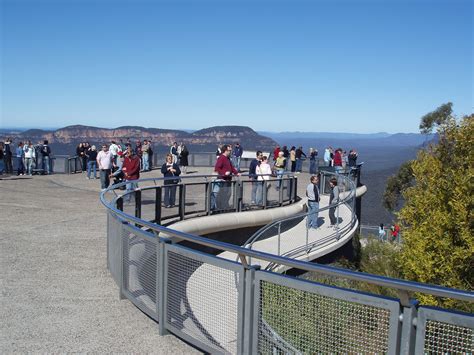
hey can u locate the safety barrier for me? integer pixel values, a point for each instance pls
(224, 306)
(293, 236)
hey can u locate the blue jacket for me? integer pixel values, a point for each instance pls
(20, 152)
(252, 169)
(237, 151)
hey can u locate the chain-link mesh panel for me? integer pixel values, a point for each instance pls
(202, 301)
(148, 204)
(292, 320)
(140, 263)
(446, 338)
(114, 256)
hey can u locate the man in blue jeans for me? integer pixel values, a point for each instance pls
(312, 192)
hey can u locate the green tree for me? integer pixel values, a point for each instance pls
(436, 219)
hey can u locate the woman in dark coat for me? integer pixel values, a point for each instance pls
(171, 171)
(183, 159)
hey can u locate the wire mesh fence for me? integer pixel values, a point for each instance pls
(140, 269)
(204, 299)
(320, 321)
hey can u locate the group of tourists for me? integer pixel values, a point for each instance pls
(87, 154)
(294, 158)
(119, 164)
(394, 232)
(28, 158)
(180, 154)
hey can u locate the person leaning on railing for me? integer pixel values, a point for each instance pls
(224, 170)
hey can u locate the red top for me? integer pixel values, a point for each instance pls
(224, 168)
(275, 153)
(131, 167)
(337, 158)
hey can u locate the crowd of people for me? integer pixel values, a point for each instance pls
(294, 158)
(29, 158)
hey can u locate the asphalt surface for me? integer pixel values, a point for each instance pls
(57, 295)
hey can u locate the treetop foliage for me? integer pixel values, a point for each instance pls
(438, 117)
(437, 217)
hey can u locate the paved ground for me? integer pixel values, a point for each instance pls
(56, 293)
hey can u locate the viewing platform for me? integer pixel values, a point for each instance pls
(59, 296)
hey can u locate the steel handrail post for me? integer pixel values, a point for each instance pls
(279, 238)
(264, 192)
(182, 201)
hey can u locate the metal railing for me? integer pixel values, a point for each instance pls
(294, 237)
(223, 306)
(158, 201)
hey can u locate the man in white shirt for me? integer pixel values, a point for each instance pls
(114, 149)
(104, 162)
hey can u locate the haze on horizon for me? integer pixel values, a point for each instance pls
(316, 66)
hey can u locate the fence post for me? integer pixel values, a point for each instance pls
(158, 205)
(279, 231)
(208, 197)
(280, 193)
(264, 192)
(161, 284)
(248, 311)
(295, 189)
(182, 200)
(123, 260)
(238, 187)
(138, 203)
(408, 336)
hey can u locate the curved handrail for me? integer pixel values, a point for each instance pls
(398, 284)
(292, 253)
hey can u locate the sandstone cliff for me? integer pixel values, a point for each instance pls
(208, 137)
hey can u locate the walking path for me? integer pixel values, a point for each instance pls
(57, 295)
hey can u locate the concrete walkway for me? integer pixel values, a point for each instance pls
(57, 295)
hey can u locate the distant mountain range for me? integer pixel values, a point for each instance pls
(65, 139)
(323, 139)
(381, 152)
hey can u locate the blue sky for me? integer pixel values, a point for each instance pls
(335, 66)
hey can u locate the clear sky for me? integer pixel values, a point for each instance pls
(337, 66)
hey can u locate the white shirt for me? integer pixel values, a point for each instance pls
(113, 149)
(104, 160)
(262, 169)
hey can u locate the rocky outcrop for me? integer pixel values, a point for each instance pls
(211, 136)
